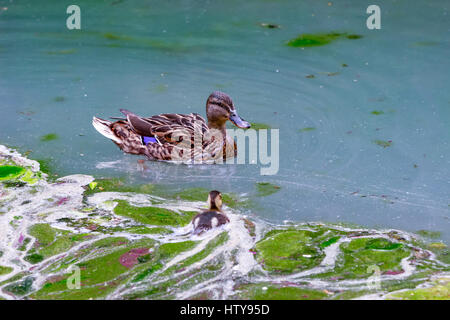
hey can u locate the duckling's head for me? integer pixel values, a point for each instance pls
(220, 108)
(215, 201)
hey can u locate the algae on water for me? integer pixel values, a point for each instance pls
(135, 243)
(49, 137)
(319, 39)
(266, 189)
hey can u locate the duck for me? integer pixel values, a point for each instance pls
(174, 136)
(211, 218)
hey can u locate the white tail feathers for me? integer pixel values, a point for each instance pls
(103, 127)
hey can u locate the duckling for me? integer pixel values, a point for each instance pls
(160, 137)
(211, 218)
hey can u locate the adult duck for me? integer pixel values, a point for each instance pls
(173, 136)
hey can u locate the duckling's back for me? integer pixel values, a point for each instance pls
(207, 220)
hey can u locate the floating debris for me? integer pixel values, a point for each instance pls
(307, 129)
(354, 36)
(62, 52)
(49, 137)
(112, 36)
(311, 40)
(266, 188)
(319, 39)
(258, 126)
(160, 88)
(59, 99)
(270, 25)
(383, 143)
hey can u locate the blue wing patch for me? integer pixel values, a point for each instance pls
(147, 140)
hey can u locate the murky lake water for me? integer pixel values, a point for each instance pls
(390, 86)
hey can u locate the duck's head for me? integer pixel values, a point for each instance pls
(215, 201)
(220, 109)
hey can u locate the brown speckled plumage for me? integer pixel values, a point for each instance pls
(177, 134)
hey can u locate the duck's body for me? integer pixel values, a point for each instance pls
(177, 136)
(213, 217)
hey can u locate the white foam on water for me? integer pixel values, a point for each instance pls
(48, 202)
(66, 194)
(18, 158)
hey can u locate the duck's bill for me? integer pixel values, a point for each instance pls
(238, 122)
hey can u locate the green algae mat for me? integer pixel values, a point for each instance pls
(81, 238)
